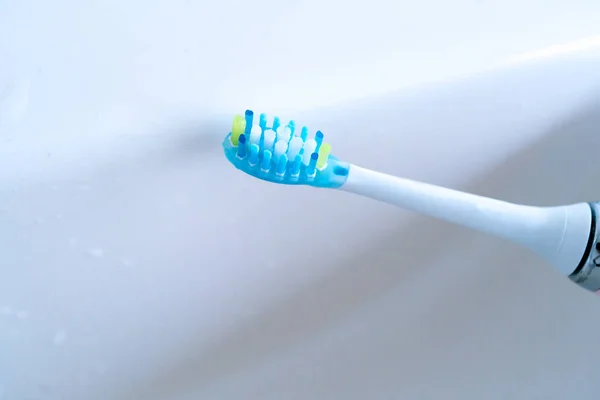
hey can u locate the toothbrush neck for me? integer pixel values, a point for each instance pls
(549, 231)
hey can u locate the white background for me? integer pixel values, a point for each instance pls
(122, 275)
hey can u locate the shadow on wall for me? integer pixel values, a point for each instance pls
(550, 172)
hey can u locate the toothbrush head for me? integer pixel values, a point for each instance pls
(282, 153)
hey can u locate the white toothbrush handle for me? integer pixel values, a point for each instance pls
(559, 234)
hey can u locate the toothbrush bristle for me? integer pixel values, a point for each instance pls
(278, 148)
(255, 134)
(249, 116)
(276, 123)
(263, 121)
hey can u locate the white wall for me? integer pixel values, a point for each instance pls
(102, 61)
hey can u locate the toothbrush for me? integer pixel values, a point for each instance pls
(566, 236)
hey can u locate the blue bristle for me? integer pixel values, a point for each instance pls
(310, 169)
(263, 121)
(304, 134)
(249, 118)
(292, 126)
(266, 161)
(319, 139)
(241, 151)
(281, 164)
(297, 164)
(253, 160)
(276, 123)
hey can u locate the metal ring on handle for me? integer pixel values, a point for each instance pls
(587, 273)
